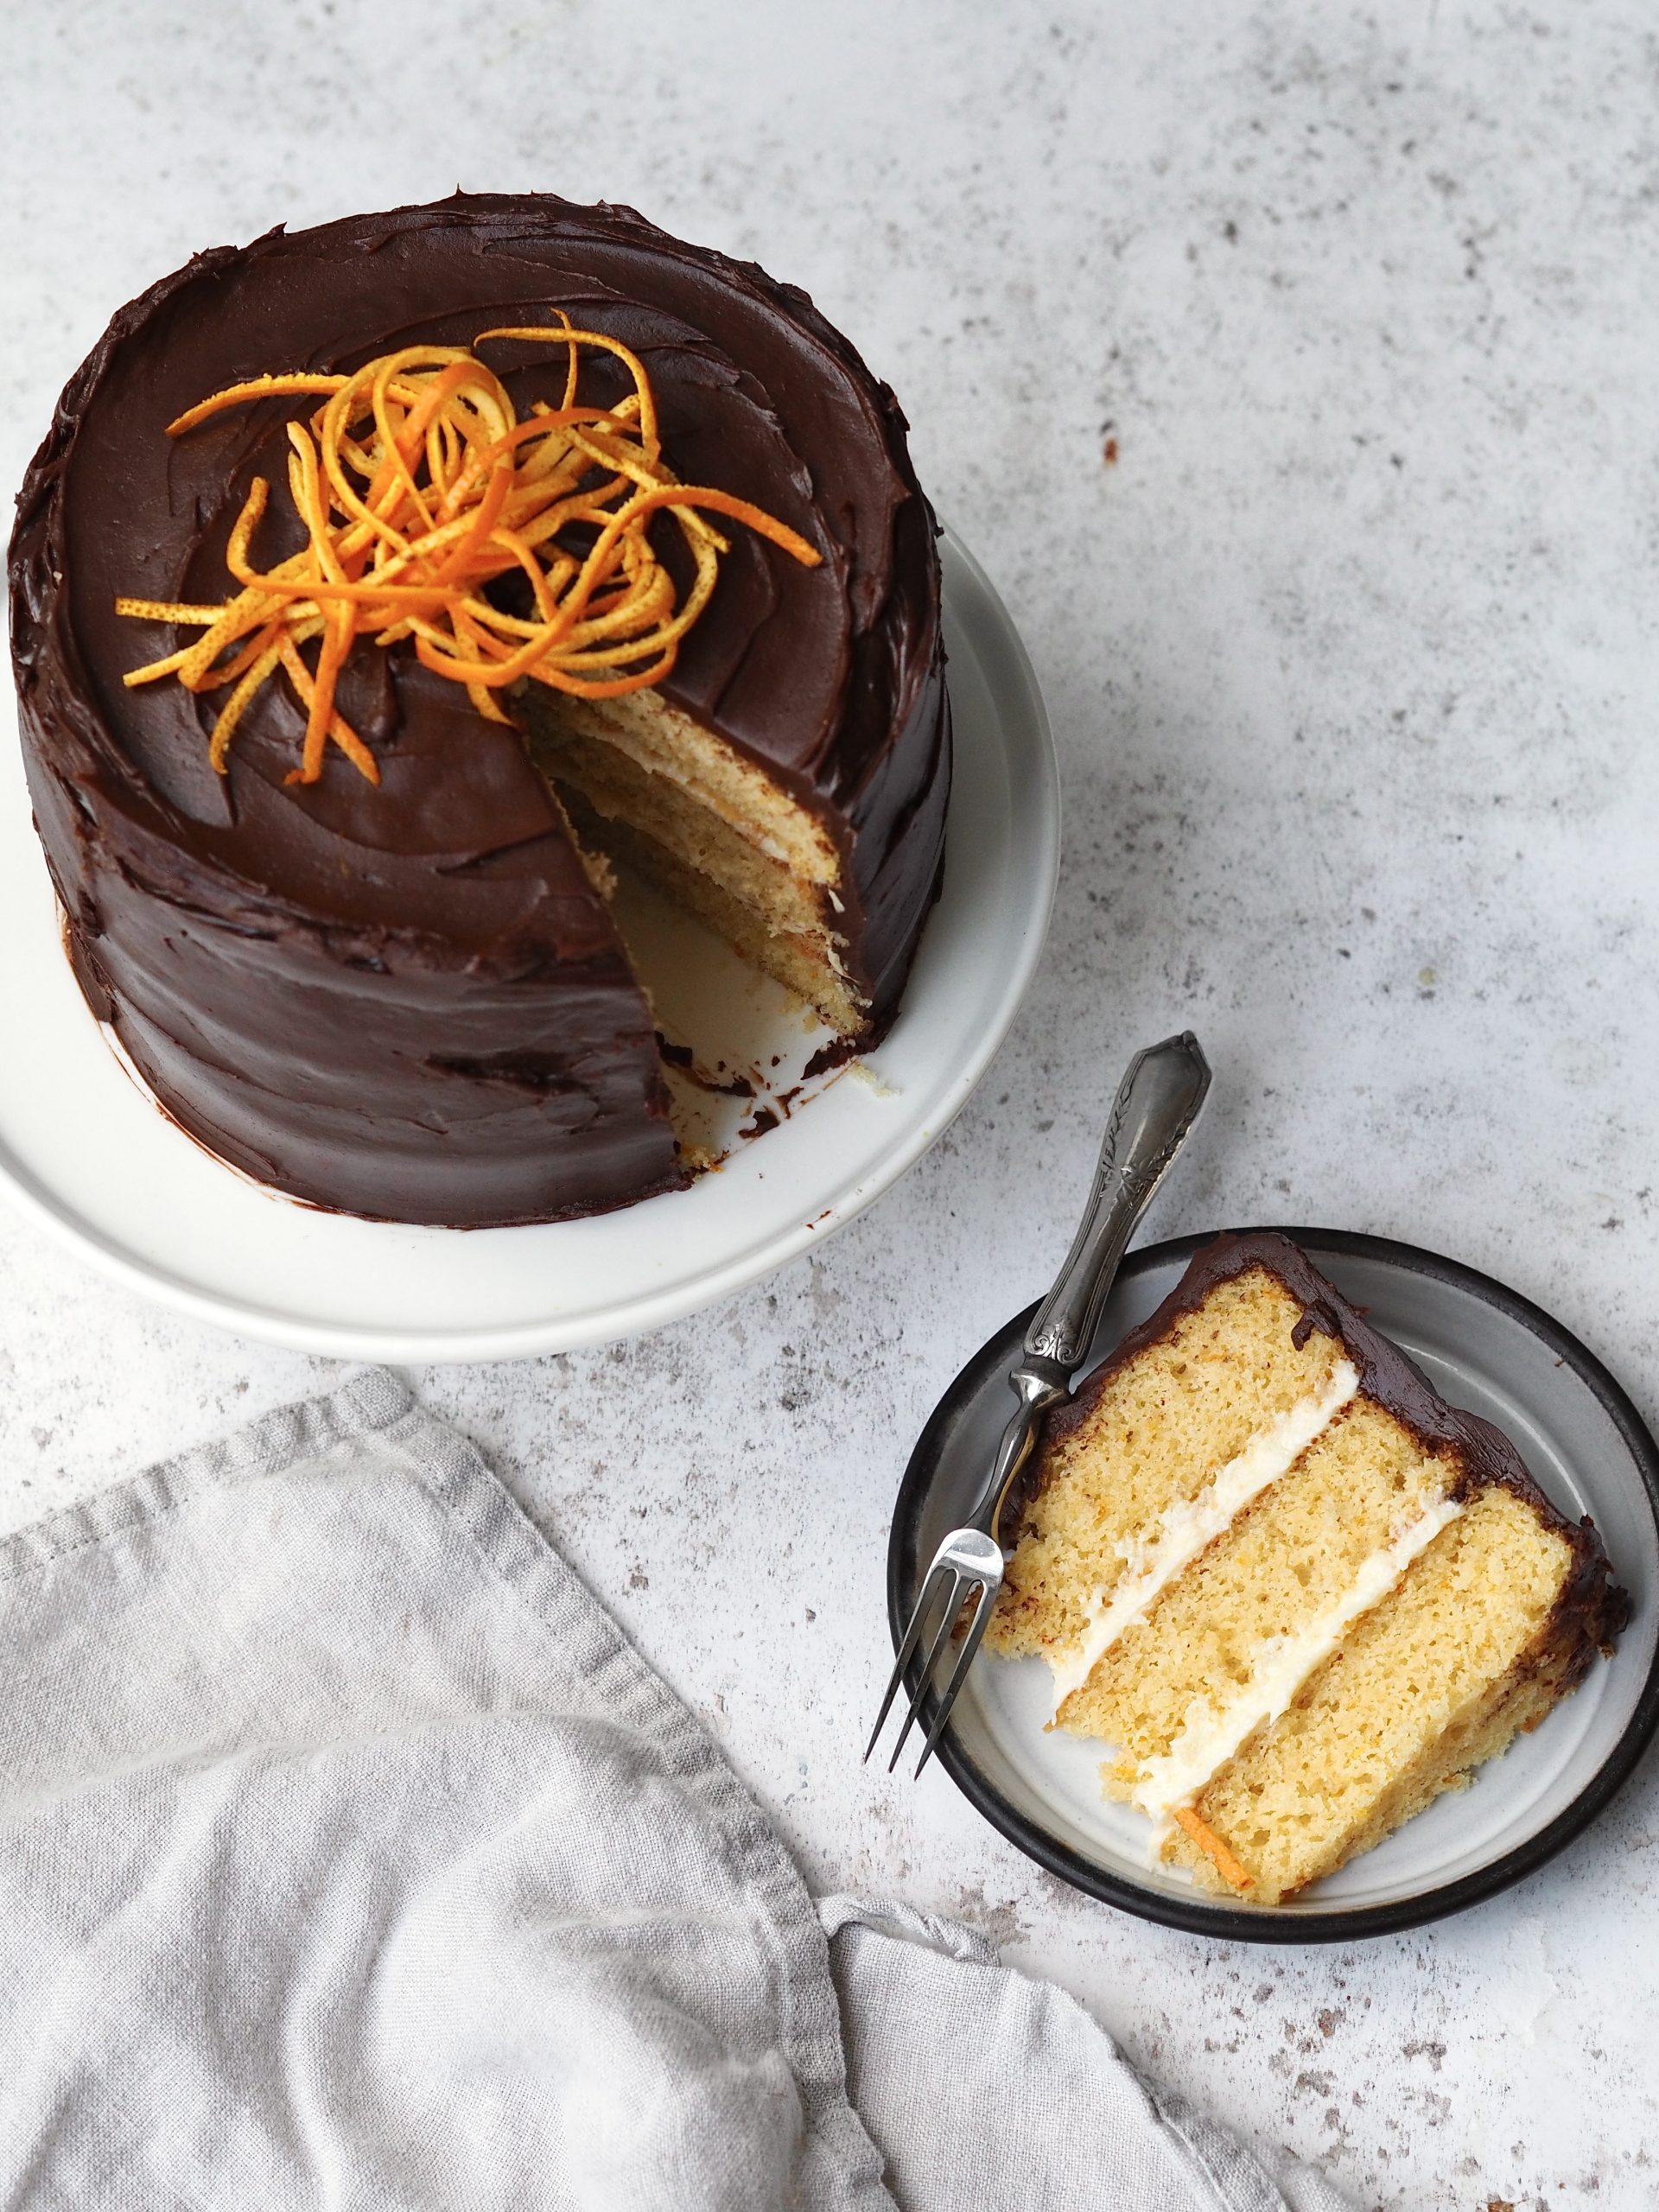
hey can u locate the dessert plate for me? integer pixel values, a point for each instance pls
(1483, 1347)
(85, 1150)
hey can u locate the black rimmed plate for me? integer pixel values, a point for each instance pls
(1483, 1347)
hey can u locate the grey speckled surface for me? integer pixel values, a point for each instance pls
(1352, 661)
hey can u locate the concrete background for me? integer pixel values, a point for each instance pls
(1350, 655)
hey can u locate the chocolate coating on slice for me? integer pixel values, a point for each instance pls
(409, 1002)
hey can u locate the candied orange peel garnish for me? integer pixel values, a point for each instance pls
(1231, 1869)
(418, 486)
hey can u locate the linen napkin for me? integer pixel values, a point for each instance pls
(350, 1857)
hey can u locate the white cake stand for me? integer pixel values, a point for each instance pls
(85, 1152)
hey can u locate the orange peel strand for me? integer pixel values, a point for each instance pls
(241, 395)
(1231, 1869)
(339, 728)
(255, 674)
(336, 644)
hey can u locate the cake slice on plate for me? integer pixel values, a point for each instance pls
(1296, 1592)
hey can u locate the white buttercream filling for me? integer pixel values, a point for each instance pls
(1210, 1735)
(1151, 1563)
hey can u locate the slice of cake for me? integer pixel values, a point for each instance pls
(1296, 1592)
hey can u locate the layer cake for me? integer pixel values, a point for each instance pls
(1296, 1592)
(409, 998)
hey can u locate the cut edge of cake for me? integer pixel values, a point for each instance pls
(1221, 1614)
(644, 782)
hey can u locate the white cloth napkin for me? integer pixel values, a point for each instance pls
(349, 1858)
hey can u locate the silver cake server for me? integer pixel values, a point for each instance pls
(1157, 1103)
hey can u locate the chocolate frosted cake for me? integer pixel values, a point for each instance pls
(1298, 1593)
(362, 947)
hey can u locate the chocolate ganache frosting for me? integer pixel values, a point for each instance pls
(409, 1002)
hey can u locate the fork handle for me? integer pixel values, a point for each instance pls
(1157, 1103)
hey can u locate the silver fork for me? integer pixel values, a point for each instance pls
(1157, 1103)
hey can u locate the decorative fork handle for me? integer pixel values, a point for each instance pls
(1157, 1103)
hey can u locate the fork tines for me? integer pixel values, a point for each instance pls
(967, 1571)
